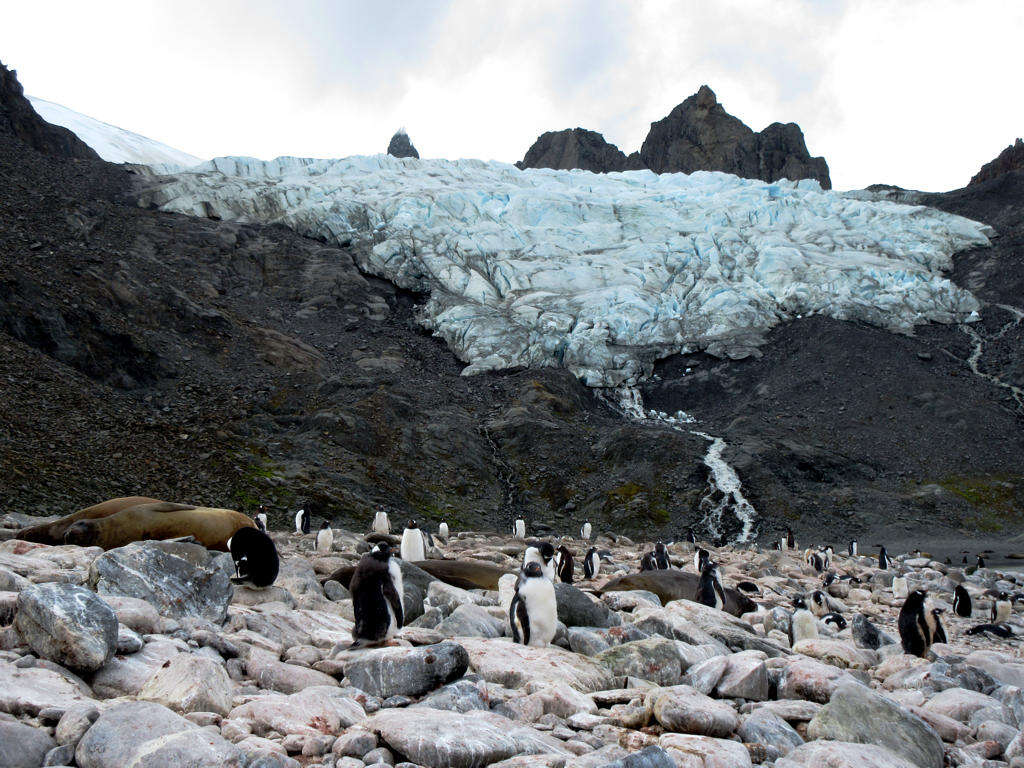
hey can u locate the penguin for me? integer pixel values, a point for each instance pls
(324, 538)
(981, 561)
(836, 619)
(544, 555)
(819, 603)
(948, 561)
(899, 587)
(964, 561)
(999, 630)
(883, 559)
(647, 562)
(661, 557)
(1002, 608)
(691, 536)
(709, 590)
(255, 557)
(261, 518)
(412, 543)
(852, 549)
(302, 521)
(915, 632)
(381, 524)
(700, 559)
(934, 618)
(591, 563)
(376, 589)
(565, 565)
(790, 541)
(586, 530)
(802, 624)
(817, 562)
(749, 587)
(533, 613)
(777, 546)
(442, 531)
(519, 528)
(828, 579)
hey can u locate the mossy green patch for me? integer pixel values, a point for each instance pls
(996, 499)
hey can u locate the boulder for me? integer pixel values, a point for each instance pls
(441, 739)
(762, 726)
(190, 683)
(704, 751)
(513, 665)
(857, 714)
(471, 621)
(682, 709)
(835, 653)
(577, 609)
(68, 625)
(147, 735)
(125, 675)
(386, 672)
(648, 757)
(960, 703)
(311, 712)
(745, 677)
(178, 579)
(839, 754)
(22, 746)
(684, 615)
(273, 674)
(655, 659)
(29, 690)
(136, 614)
(805, 678)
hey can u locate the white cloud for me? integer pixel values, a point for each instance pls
(900, 91)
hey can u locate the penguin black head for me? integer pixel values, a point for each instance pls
(1004, 596)
(710, 568)
(547, 550)
(916, 598)
(324, 525)
(532, 570)
(836, 619)
(660, 547)
(799, 603)
(382, 551)
(411, 524)
(828, 578)
(818, 597)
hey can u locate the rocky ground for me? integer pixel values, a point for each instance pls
(147, 655)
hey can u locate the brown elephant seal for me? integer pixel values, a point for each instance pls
(465, 574)
(677, 585)
(53, 533)
(163, 520)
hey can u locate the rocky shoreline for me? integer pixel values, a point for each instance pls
(147, 655)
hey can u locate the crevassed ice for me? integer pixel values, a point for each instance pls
(601, 274)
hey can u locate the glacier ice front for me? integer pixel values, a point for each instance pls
(600, 274)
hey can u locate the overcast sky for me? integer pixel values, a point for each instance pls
(908, 92)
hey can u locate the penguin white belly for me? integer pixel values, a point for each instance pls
(595, 564)
(381, 523)
(804, 626)
(1002, 612)
(263, 519)
(442, 530)
(853, 549)
(539, 597)
(325, 540)
(395, 572)
(520, 529)
(412, 545)
(587, 529)
(298, 521)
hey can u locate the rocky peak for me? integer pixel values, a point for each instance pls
(577, 148)
(17, 114)
(401, 146)
(1010, 159)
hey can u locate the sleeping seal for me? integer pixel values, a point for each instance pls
(53, 533)
(208, 526)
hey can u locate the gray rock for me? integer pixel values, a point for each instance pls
(655, 659)
(762, 726)
(68, 625)
(75, 721)
(461, 696)
(586, 641)
(190, 683)
(354, 743)
(128, 641)
(178, 579)
(401, 146)
(335, 591)
(574, 148)
(577, 609)
(856, 714)
(22, 746)
(64, 755)
(648, 757)
(745, 677)
(407, 671)
(682, 709)
(839, 754)
(147, 735)
(471, 621)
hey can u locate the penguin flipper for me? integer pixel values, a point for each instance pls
(395, 601)
(524, 621)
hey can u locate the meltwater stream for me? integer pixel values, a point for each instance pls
(724, 493)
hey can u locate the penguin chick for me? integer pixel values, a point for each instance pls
(802, 624)
(565, 565)
(1002, 609)
(324, 538)
(544, 555)
(915, 631)
(376, 589)
(661, 556)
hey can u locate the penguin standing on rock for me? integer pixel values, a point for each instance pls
(255, 557)
(790, 540)
(533, 613)
(565, 564)
(661, 557)
(914, 625)
(1001, 609)
(934, 618)
(836, 620)
(591, 563)
(381, 524)
(819, 603)
(261, 518)
(412, 543)
(302, 521)
(586, 530)
(700, 559)
(709, 591)
(961, 602)
(442, 531)
(852, 549)
(981, 561)
(519, 528)
(324, 538)
(691, 536)
(802, 624)
(883, 559)
(543, 553)
(647, 562)
(376, 589)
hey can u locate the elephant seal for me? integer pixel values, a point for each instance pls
(53, 533)
(465, 574)
(162, 520)
(677, 585)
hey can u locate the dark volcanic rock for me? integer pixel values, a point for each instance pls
(401, 146)
(577, 148)
(17, 114)
(699, 135)
(1010, 159)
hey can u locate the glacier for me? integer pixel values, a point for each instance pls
(601, 274)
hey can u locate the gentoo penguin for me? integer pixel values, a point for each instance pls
(381, 524)
(661, 556)
(749, 587)
(565, 565)
(961, 602)
(533, 613)
(442, 531)
(544, 555)
(883, 559)
(899, 587)
(934, 618)
(817, 561)
(591, 563)
(412, 543)
(586, 531)
(519, 528)
(915, 632)
(324, 538)
(802, 624)
(819, 603)
(376, 589)
(647, 562)
(1001, 609)
(255, 556)
(709, 590)
(999, 630)
(700, 558)
(828, 579)
(835, 619)
(981, 561)
(852, 549)
(790, 541)
(261, 518)
(691, 536)
(777, 546)
(302, 521)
